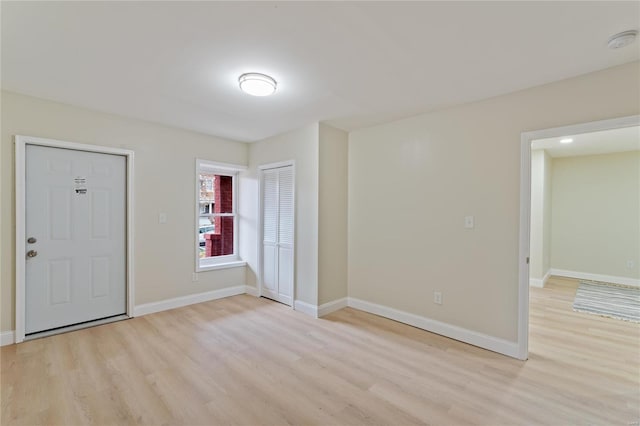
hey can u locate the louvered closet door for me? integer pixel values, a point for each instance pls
(270, 234)
(285, 235)
(278, 234)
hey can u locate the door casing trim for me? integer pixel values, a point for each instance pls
(21, 143)
(525, 209)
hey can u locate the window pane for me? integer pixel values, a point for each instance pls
(215, 232)
(224, 195)
(216, 239)
(207, 194)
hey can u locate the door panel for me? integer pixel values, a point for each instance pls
(285, 272)
(100, 209)
(285, 206)
(278, 234)
(76, 210)
(270, 234)
(270, 206)
(59, 281)
(100, 267)
(59, 207)
(270, 267)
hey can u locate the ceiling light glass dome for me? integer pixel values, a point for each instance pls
(257, 84)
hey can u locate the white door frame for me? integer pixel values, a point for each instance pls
(525, 209)
(261, 168)
(20, 176)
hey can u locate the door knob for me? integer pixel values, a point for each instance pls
(32, 253)
(31, 240)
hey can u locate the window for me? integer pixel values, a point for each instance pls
(216, 224)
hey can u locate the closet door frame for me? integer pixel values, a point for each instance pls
(260, 242)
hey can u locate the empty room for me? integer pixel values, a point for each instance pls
(319, 213)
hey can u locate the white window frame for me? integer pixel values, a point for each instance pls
(218, 262)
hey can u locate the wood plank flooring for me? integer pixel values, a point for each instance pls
(250, 361)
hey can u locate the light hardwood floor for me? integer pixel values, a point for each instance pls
(244, 360)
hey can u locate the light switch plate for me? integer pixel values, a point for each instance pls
(468, 222)
(162, 218)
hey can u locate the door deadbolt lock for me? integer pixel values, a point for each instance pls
(32, 253)
(31, 240)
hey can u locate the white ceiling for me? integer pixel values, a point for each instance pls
(352, 64)
(603, 142)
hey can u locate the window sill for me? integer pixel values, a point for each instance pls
(225, 265)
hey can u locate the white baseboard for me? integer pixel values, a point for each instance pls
(481, 340)
(536, 282)
(178, 302)
(458, 333)
(335, 305)
(633, 282)
(7, 338)
(306, 308)
(251, 290)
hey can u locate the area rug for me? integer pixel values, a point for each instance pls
(608, 300)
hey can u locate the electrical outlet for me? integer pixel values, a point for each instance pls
(437, 297)
(194, 277)
(631, 264)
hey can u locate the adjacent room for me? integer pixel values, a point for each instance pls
(585, 241)
(322, 213)
(585, 207)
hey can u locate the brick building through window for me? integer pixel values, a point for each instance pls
(216, 221)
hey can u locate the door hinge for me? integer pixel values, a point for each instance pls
(527, 260)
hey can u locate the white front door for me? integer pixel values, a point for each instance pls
(278, 234)
(75, 229)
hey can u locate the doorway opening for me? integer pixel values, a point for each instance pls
(566, 230)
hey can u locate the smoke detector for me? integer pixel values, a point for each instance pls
(622, 39)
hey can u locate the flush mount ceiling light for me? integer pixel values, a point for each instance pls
(257, 84)
(566, 140)
(622, 39)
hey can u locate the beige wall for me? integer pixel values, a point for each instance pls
(332, 235)
(596, 214)
(164, 182)
(411, 182)
(540, 251)
(320, 155)
(302, 146)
